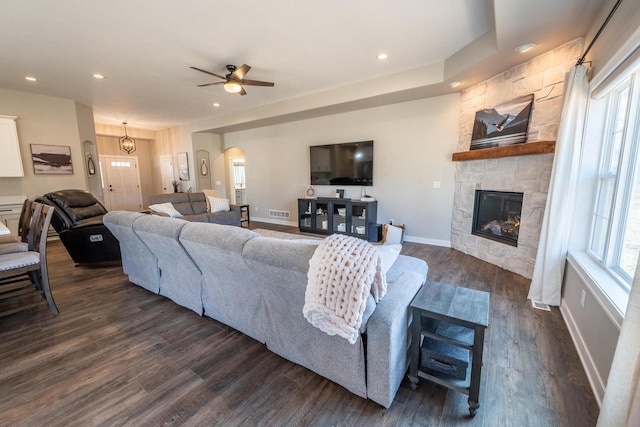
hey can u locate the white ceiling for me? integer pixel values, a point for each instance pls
(145, 49)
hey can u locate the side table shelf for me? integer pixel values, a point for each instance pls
(458, 318)
(245, 215)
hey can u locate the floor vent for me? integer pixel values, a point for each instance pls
(540, 306)
(279, 214)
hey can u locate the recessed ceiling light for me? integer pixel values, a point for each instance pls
(98, 76)
(31, 79)
(454, 84)
(382, 56)
(216, 104)
(525, 47)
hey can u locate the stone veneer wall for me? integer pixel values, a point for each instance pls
(544, 77)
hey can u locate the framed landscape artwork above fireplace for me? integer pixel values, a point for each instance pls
(504, 124)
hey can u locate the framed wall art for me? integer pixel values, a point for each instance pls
(183, 167)
(504, 124)
(51, 159)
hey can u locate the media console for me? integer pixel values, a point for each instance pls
(332, 215)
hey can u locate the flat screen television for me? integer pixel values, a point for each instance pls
(348, 163)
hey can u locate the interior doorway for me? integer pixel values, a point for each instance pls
(121, 179)
(238, 180)
(166, 169)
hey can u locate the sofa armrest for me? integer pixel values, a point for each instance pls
(235, 208)
(388, 339)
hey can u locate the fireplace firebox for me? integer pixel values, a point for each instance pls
(496, 216)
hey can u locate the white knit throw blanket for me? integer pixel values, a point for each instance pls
(342, 272)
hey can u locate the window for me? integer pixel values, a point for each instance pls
(615, 226)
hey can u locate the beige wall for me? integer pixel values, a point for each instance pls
(87, 132)
(212, 144)
(50, 121)
(172, 141)
(110, 146)
(413, 143)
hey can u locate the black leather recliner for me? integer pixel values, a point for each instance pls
(77, 219)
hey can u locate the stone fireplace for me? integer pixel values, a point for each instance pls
(526, 174)
(496, 216)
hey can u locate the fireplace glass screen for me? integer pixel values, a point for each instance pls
(496, 216)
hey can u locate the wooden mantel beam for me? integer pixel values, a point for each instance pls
(525, 149)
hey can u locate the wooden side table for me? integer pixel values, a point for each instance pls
(245, 215)
(438, 304)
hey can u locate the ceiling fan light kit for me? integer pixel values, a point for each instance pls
(232, 87)
(234, 81)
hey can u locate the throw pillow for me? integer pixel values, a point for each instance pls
(212, 193)
(389, 255)
(219, 205)
(166, 208)
(392, 234)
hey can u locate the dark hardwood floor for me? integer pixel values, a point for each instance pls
(120, 355)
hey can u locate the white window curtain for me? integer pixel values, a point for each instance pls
(546, 283)
(621, 403)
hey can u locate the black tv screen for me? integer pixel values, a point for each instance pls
(349, 163)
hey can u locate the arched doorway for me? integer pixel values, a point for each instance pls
(235, 161)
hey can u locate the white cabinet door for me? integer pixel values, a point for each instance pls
(10, 159)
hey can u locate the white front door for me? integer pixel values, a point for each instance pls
(121, 182)
(166, 169)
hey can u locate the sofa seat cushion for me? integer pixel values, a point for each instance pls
(197, 217)
(224, 218)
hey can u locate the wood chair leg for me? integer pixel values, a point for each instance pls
(44, 279)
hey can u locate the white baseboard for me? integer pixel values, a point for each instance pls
(427, 241)
(597, 385)
(275, 221)
(413, 239)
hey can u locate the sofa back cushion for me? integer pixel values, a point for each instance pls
(230, 294)
(180, 279)
(77, 204)
(282, 266)
(198, 203)
(137, 260)
(180, 202)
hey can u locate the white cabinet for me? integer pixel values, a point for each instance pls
(10, 209)
(10, 159)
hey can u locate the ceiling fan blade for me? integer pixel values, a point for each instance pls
(209, 72)
(243, 92)
(256, 83)
(239, 73)
(210, 84)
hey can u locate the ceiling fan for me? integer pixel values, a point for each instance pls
(234, 80)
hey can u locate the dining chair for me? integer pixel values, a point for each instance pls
(25, 274)
(12, 243)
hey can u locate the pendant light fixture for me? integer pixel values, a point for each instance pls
(127, 144)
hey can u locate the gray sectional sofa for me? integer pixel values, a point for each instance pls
(257, 285)
(193, 207)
